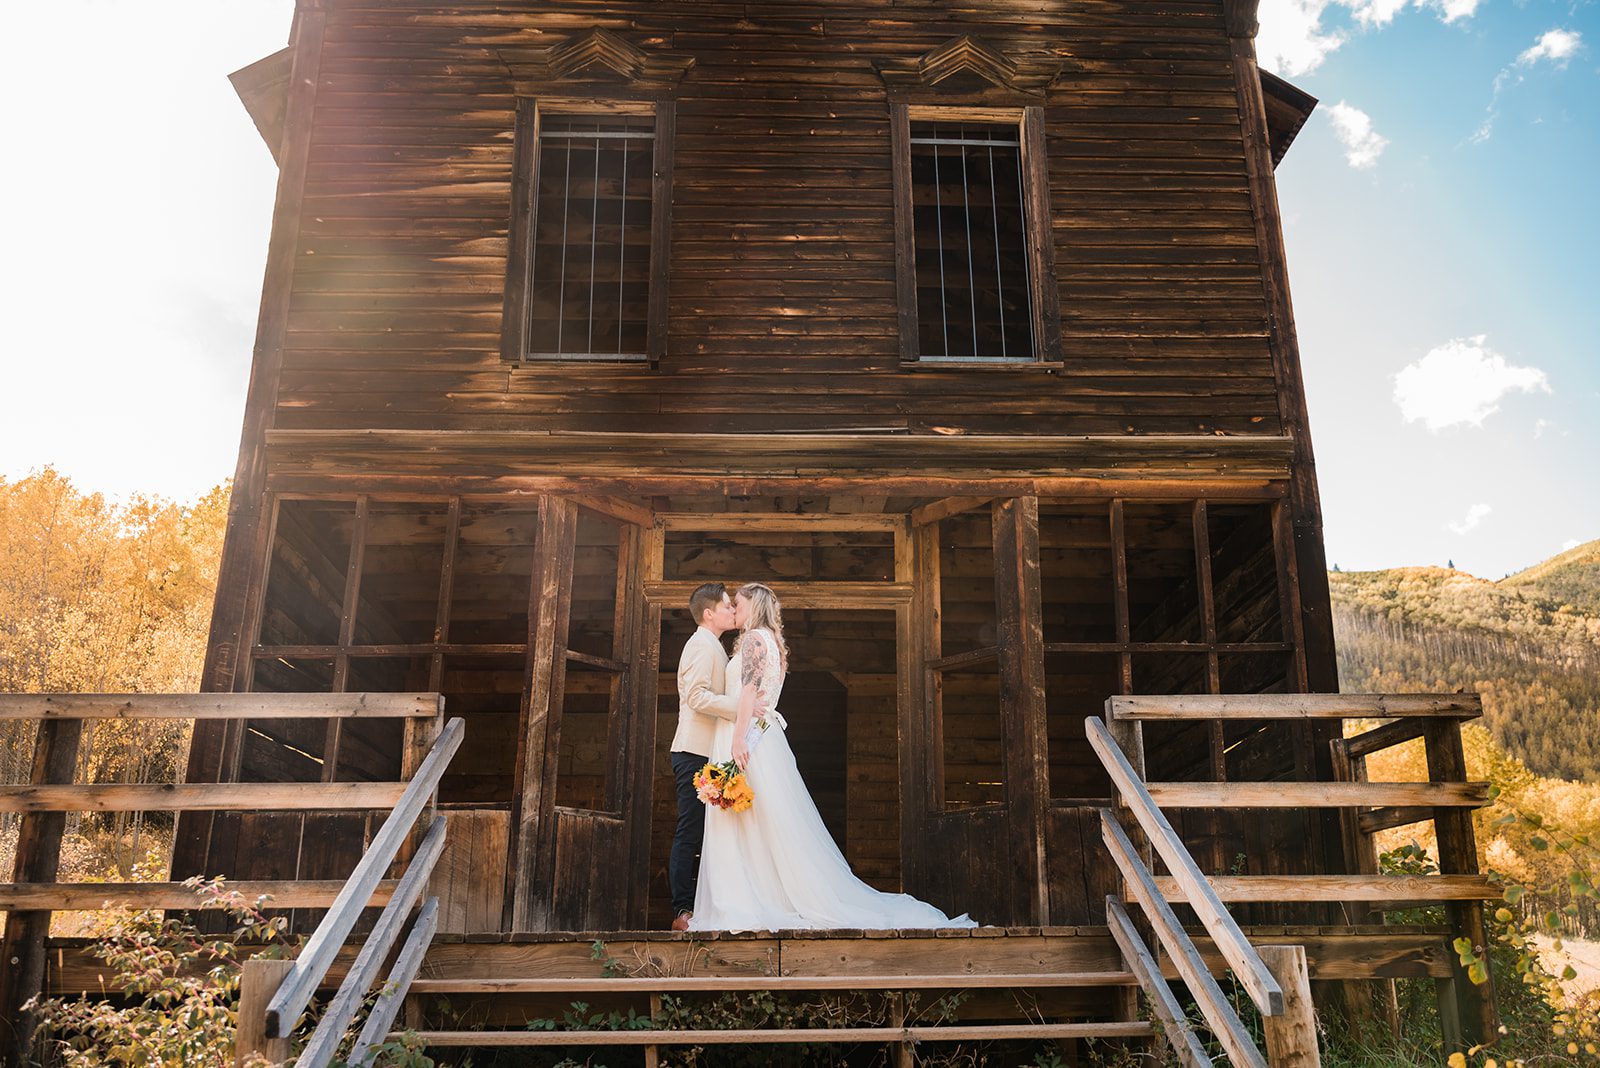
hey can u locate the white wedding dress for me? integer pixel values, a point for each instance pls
(774, 866)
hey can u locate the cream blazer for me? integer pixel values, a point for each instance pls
(702, 676)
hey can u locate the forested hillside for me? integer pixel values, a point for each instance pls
(1529, 643)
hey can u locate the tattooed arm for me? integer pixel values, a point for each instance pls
(753, 668)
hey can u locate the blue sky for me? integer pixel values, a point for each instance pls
(1441, 242)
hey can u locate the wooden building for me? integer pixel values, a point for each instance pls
(571, 305)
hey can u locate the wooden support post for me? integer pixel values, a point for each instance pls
(1458, 855)
(652, 1054)
(257, 985)
(1022, 707)
(38, 859)
(1292, 1036)
(532, 876)
(899, 1052)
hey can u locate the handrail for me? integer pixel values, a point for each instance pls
(1294, 706)
(406, 966)
(321, 948)
(1236, 949)
(347, 1000)
(363, 705)
(1214, 1006)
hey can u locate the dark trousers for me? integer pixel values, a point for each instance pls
(684, 868)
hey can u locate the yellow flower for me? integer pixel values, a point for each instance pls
(1458, 1060)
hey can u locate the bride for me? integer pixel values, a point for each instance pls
(774, 866)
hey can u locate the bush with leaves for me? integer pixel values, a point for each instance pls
(176, 990)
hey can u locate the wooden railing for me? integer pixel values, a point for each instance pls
(1266, 973)
(33, 894)
(1245, 960)
(296, 985)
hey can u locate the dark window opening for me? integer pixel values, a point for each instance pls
(589, 291)
(974, 293)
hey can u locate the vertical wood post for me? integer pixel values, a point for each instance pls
(38, 859)
(1291, 1037)
(533, 838)
(1022, 701)
(899, 1052)
(1458, 855)
(257, 985)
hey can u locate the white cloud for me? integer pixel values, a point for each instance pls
(1557, 46)
(1553, 46)
(1294, 40)
(1570, 543)
(1362, 144)
(1461, 382)
(1474, 516)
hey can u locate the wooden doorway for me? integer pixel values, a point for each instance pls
(584, 762)
(974, 801)
(844, 580)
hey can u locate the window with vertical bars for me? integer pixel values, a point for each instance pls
(973, 287)
(589, 290)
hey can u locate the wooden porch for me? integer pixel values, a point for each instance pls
(1033, 982)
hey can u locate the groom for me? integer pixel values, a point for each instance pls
(701, 701)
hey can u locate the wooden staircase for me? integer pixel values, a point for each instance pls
(1084, 983)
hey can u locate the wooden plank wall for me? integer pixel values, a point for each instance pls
(782, 307)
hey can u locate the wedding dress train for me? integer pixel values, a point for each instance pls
(775, 866)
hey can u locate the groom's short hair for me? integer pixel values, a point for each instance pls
(707, 595)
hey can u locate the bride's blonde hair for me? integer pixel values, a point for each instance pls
(765, 611)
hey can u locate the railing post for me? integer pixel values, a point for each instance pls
(1291, 1037)
(1458, 855)
(38, 859)
(258, 983)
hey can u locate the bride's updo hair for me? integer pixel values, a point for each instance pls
(765, 611)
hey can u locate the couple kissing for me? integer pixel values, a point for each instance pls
(773, 865)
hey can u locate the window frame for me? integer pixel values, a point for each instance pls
(516, 325)
(1044, 298)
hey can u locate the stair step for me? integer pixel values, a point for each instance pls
(975, 1033)
(733, 984)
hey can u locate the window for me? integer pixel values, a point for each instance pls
(585, 257)
(976, 273)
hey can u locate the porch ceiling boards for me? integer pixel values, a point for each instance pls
(547, 460)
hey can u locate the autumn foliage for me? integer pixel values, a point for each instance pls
(101, 596)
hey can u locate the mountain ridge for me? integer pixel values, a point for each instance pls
(1529, 643)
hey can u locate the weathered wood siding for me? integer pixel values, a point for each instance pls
(782, 288)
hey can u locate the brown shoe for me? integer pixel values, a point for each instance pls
(682, 922)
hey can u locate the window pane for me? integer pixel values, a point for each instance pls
(592, 622)
(286, 750)
(305, 586)
(1244, 574)
(1163, 586)
(485, 691)
(1076, 686)
(973, 740)
(369, 749)
(400, 563)
(591, 245)
(973, 294)
(494, 566)
(967, 615)
(1075, 572)
(585, 753)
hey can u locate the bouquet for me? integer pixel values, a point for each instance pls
(724, 786)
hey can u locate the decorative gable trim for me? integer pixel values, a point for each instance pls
(597, 55)
(969, 55)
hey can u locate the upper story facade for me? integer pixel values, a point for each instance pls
(690, 216)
